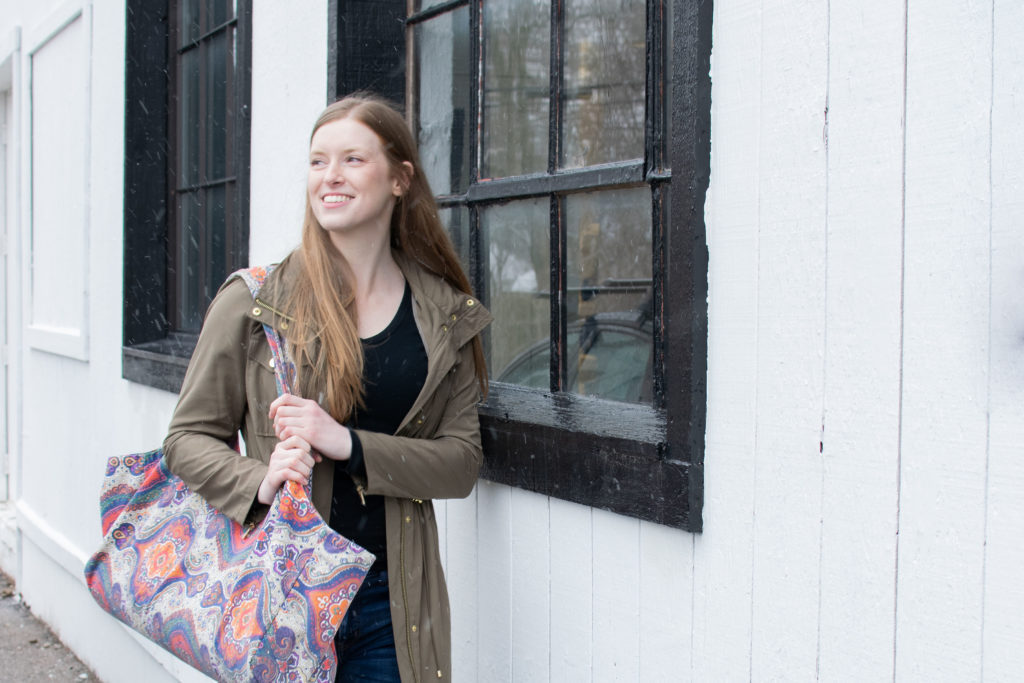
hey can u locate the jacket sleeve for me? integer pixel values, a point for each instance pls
(211, 409)
(444, 464)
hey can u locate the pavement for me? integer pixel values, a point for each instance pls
(29, 651)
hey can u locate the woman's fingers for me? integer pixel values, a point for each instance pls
(291, 460)
(305, 419)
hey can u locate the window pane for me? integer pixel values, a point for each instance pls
(518, 277)
(456, 222)
(443, 60)
(517, 45)
(188, 119)
(609, 323)
(188, 26)
(667, 103)
(605, 63)
(216, 104)
(219, 11)
(215, 232)
(188, 261)
(427, 4)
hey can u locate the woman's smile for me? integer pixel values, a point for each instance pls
(351, 185)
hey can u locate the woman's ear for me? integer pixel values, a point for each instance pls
(403, 178)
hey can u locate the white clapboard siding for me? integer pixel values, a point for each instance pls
(860, 450)
(1004, 550)
(946, 342)
(723, 571)
(494, 582)
(530, 586)
(616, 598)
(572, 588)
(460, 548)
(791, 308)
(666, 604)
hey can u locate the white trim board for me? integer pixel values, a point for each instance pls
(70, 340)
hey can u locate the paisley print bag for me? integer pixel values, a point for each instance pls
(237, 603)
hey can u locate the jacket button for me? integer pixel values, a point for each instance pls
(414, 629)
(469, 302)
(408, 519)
(257, 311)
(444, 328)
(439, 674)
(284, 324)
(270, 362)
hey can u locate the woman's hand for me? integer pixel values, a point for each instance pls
(294, 416)
(292, 460)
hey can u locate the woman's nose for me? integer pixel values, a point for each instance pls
(334, 174)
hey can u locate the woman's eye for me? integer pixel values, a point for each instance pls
(353, 160)
(316, 162)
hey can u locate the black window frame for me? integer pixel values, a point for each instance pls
(154, 353)
(644, 461)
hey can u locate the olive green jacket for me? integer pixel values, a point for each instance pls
(435, 453)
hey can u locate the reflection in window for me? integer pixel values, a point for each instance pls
(517, 36)
(599, 317)
(456, 220)
(604, 82)
(609, 293)
(443, 60)
(516, 235)
(201, 171)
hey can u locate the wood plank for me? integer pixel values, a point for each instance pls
(860, 450)
(723, 568)
(571, 589)
(461, 571)
(791, 317)
(494, 598)
(616, 598)
(666, 602)
(1004, 552)
(946, 342)
(531, 587)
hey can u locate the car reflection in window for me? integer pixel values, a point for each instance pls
(609, 355)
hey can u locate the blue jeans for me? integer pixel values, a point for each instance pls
(365, 641)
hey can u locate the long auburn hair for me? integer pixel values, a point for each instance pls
(323, 334)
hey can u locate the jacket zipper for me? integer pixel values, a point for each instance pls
(405, 592)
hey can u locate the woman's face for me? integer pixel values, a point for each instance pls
(351, 186)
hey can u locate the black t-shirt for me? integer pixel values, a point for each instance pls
(394, 370)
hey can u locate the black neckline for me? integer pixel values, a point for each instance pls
(403, 308)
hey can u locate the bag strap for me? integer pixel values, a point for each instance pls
(284, 368)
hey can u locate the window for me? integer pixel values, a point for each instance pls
(568, 143)
(186, 174)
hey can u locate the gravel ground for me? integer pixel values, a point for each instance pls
(29, 651)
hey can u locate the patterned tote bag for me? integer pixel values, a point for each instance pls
(238, 603)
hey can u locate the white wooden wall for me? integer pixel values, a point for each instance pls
(864, 499)
(864, 511)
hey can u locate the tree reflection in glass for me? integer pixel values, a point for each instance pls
(517, 35)
(608, 294)
(518, 245)
(445, 88)
(603, 91)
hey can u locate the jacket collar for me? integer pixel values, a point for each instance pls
(445, 315)
(447, 312)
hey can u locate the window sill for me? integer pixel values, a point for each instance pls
(595, 452)
(160, 364)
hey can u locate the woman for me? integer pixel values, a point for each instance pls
(384, 332)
